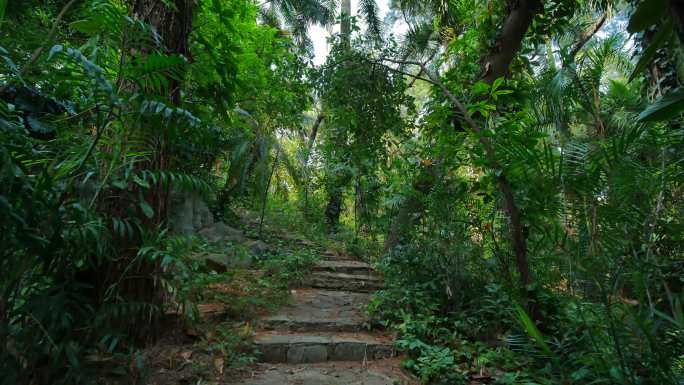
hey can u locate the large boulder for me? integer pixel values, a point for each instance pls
(238, 249)
(221, 233)
(188, 213)
(259, 248)
(221, 262)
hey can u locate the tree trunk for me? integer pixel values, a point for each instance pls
(509, 40)
(173, 25)
(345, 26)
(333, 209)
(494, 66)
(334, 206)
(172, 21)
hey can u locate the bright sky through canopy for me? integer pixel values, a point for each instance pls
(319, 35)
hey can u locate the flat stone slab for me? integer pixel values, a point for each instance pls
(346, 282)
(385, 372)
(319, 310)
(330, 255)
(343, 266)
(298, 348)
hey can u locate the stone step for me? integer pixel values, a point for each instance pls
(347, 282)
(336, 257)
(298, 348)
(319, 310)
(343, 266)
(382, 372)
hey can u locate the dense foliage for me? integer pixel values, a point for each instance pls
(513, 168)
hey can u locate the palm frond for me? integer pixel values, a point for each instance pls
(370, 14)
(419, 39)
(268, 16)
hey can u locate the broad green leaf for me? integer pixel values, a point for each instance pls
(648, 12)
(146, 209)
(87, 27)
(666, 317)
(480, 88)
(665, 108)
(497, 83)
(658, 40)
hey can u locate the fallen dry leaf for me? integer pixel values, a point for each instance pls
(218, 364)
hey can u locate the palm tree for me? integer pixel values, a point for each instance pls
(296, 16)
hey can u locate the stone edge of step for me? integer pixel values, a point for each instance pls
(296, 325)
(309, 348)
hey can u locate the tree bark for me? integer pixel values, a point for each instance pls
(333, 209)
(314, 133)
(509, 40)
(173, 24)
(345, 26)
(172, 21)
(585, 37)
(334, 206)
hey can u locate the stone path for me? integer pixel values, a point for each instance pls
(322, 339)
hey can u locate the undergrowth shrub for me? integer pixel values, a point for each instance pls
(579, 341)
(288, 270)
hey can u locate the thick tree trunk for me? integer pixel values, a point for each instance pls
(345, 26)
(173, 24)
(334, 206)
(494, 66)
(333, 210)
(335, 190)
(509, 40)
(172, 21)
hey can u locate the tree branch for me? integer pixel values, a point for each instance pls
(314, 130)
(586, 36)
(414, 76)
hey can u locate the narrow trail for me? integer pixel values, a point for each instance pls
(321, 338)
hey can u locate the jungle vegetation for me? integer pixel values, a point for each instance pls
(514, 168)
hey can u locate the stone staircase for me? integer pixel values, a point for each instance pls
(321, 338)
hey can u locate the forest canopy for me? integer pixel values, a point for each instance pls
(514, 169)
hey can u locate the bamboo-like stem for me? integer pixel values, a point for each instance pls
(268, 187)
